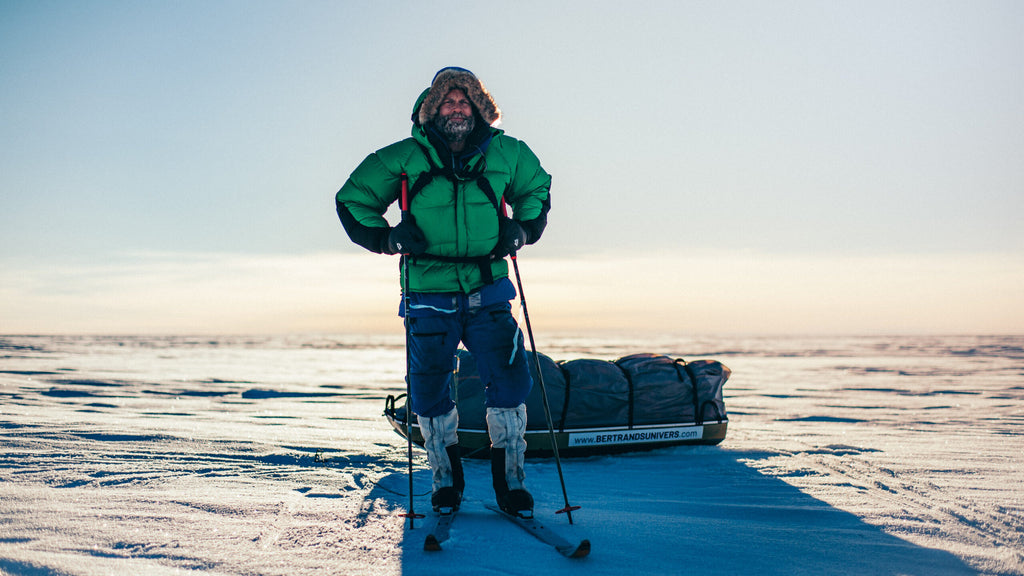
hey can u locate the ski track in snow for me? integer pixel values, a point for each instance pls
(268, 456)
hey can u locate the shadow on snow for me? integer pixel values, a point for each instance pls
(685, 510)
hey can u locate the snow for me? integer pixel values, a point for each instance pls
(173, 455)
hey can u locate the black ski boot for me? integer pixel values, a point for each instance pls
(517, 502)
(451, 496)
(441, 441)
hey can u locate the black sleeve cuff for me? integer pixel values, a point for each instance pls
(372, 238)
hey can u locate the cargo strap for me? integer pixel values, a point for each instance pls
(698, 407)
(684, 372)
(681, 366)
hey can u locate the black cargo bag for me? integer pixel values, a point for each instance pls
(635, 390)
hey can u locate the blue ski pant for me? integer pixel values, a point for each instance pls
(439, 322)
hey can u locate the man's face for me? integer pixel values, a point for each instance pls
(455, 116)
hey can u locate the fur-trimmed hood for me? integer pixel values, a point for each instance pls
(453, 77)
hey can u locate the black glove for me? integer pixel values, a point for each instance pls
(406, 238)
(511, 237)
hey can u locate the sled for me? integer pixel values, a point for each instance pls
(638, 402)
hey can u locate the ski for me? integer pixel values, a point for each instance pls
(546, 535)
(439, 531)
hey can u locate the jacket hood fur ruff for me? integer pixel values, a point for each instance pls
(449, 78)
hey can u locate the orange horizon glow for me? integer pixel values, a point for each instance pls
(359, 293)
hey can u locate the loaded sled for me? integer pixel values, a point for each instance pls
(638, 402)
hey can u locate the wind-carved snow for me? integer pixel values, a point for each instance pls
(164, 455)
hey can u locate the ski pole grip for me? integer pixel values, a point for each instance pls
(504, 213)
(405, 192)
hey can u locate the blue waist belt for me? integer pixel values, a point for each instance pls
(423, 304)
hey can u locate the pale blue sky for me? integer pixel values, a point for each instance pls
(156, 137)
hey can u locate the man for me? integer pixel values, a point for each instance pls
(461, 170)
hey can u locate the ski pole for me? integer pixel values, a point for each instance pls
(540, 378)
(411, 515)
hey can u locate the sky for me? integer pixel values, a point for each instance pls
(790, 167)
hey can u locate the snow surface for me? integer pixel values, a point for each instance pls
(153, 456)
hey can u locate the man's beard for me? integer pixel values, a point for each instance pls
(455, 128)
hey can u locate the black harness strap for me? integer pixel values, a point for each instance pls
(484, 262)
(427, 177)
(485, 185)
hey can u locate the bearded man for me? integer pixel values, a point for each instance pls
(456, 237)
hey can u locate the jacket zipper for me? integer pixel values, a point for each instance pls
(458, 234)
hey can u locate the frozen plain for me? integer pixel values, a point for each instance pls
(268, 455)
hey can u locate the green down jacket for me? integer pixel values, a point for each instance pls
(451, 204)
